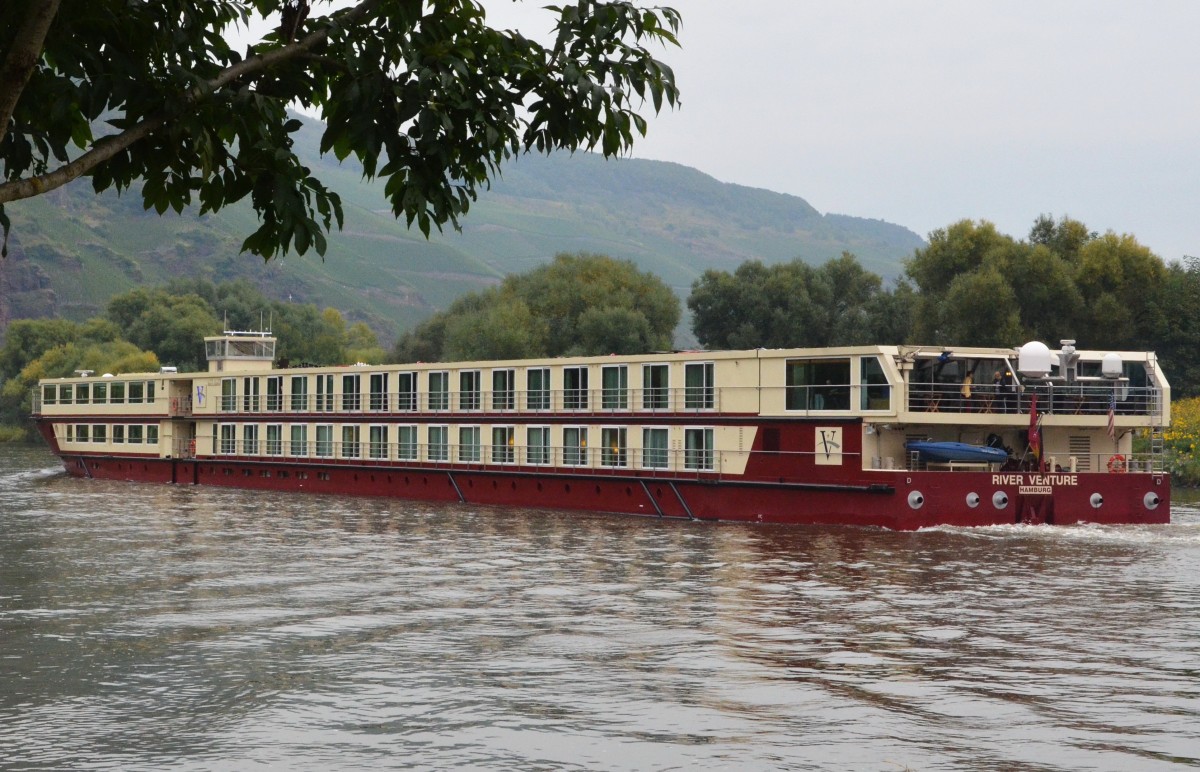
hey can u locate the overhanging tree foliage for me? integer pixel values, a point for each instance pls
(423, 93)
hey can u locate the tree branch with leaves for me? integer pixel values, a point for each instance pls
(425, 95)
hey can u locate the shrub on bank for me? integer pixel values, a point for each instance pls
(1181, 441)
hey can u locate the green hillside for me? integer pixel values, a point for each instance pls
(71, 250)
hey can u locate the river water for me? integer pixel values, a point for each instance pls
(147, 627)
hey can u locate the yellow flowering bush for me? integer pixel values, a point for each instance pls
(1182, 438)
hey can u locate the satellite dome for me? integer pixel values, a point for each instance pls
(1034, 360)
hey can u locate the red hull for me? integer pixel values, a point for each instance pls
(898, 500)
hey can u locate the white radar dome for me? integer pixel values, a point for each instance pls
(1111, 366)
(1033, 359)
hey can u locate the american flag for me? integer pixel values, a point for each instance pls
(1112, 420)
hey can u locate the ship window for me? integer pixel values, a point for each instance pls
(575, 388)
(152, 434)
(537, 445)
(613, 446)
(377, 442)
(99, 433)
(228, 438)
(135, 434)
(406, 388)
(274, 393)
(379, 392)
(137, 390)
(503, 385)
(614, 382)
(70, 432)
(149, 392)
(407, 447)
(116, 395)
(876, 393)
(65, 393)
(250, 439)
(503, 444)
(118, 434)
(228, 395)
(439, 391)
(49, 394)
(698, 385)
(299, 393)
(537, 381)
(81, 393)
(575, 451)
(351, 437)
(818, 384)
(655, 387)
(81, 432)
(274, 438)
(299, 440)
(324, 444)
(655, 453)
(698, 449)
(439, 443)
(100, 393)
(468, 390)
(325, 393)
(351, 389)
(468, 443)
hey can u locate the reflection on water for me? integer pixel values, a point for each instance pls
(147, 626)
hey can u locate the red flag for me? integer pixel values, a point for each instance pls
(1035, 433)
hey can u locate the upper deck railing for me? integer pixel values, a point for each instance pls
(1054, 399)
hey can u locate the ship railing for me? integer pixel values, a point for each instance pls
(1054, 399)
(36, 401)
(1114, 463)
(180, 407)
(182, 447)
(673, 401)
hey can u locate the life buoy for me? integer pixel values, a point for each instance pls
(192, 448)
(1116, 464)
(174, 405)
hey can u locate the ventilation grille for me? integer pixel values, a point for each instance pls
(1081, 449)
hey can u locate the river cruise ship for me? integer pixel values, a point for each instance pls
(901, 437)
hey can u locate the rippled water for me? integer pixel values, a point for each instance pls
(148, 627)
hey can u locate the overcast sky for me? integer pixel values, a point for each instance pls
(923, 113)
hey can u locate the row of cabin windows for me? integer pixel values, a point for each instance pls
(824, 384)
(465, 444)
(131, 434)
(106, 392)
(401, 392)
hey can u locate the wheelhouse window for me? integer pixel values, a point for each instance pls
(49, 394)
(575, 446)
(82, 392)
(614, 387)
(351, 436)
(537, 391)
(613, 446)
(503, 444)
(468, 390)
(377, 442)
(655, 453)
(352, 393)
(503, 385)
(406, 392)
(698, 449)
(818, 384)
(379, 392)
(655, 387)
(468, 443)
(575, 388)
(698, 392)
(274, 393)
(116, 395)
(439, 390)
(228, 395)
(537, 444)
(298, 441)
(150, 392)
(407, 446)
(299, 393)
(66, 393)
(876, 392)
(100, 393)
(439, 443)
